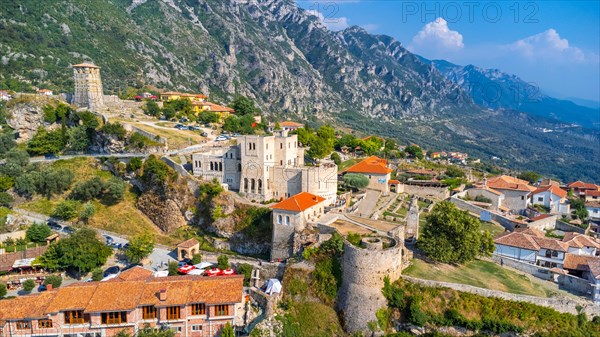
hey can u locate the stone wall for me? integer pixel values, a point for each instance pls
(546, 223)
(563, 226)
(363, 273)
(440, 193)
(503, 221)
(14, 235)
(565, 305)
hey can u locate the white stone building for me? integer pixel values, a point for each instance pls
(263, 168)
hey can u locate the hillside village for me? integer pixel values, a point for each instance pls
(251, 219)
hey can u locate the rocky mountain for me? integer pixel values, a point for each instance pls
(495, 89)
(287, 61)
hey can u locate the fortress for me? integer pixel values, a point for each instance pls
(88, 86)
(266, 168)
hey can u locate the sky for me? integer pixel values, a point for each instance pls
(554, 45)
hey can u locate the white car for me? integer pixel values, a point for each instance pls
(221, 138)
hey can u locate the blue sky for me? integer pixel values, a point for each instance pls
(553, 44)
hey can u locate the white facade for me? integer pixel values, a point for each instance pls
(593, 211)
(553, 202)
(516, 253)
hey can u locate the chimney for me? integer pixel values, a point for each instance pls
(162, 295)
(49, 286)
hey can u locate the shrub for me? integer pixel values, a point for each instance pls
(246, 270)
(87, 212)
(223, 262)
(356, 180)
(172, 268)
(28, 285)
(88, 189)
(481, 198)
(97, 274)
(114, 129)
(3, 290)
(134, 164)
(54, 280)
(114, 190)
(38, 232)
(6, 199)
(66, 210)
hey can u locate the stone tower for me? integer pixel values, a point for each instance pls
(412, 220)
(88, 86)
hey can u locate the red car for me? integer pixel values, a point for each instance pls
(186, 269)
(227, 272)
(213, 272)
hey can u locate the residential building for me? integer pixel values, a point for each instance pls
(286, 125)
(220, 110)
(578, 188)
(376, 170)
(591, 195)
(516, 191)
(263, 168)
(195, 306)
(481, 192)
(593, 208)
(174, 95)
(45, 92)
(290, 218)
(552, 197)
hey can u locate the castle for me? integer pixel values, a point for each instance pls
(264, 168)
(88, 86)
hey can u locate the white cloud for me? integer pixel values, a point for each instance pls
(547, 45)
(331, 22)
(370, 27)
(435, 39)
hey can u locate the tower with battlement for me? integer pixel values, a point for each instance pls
(88, 86)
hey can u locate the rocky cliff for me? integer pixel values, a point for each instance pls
(25, 115)
(167, 205)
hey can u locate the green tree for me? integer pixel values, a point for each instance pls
(3, 290)
(38, 232)
(169, 112)
(7, 142)
(134, 164)
(246, 270)
(356, 180)
(49, 113)
(305, 136)
(157, 172)
(228, 331)
(530, 176)
(50, 181)
(25, 185)
(28, 285)
(173, 269)
(114, 190)
(454, 172)
(319, 148)
(414, 151)
(54, 280)
(18, 157)
(140, 247)
(151, 108)
(97, 274)
(78, 138)
(336, 158)
(66, 210)
(453, 236)
(243, 106)
(45, 142)
(6, 182)
(88, 190)
(223, 262)
(206, 117)
(87, 212)
(88, 119)
(6, 199)
(114, 129)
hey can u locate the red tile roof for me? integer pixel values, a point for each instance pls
(531, 239)
(125, 295)
(299, 202)
(509, 183)
(214, 107)
(553, 189)
(188, 243)
(291, 124)
(576, 262)
(592, 193)
(582, 185)
(372, 165)
(541, 217)
(578, 240)
(393, 182)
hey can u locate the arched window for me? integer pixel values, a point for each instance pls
(239, 167)
(249, 146)
(211, 166)
(253, 185)
(259, 186)
(279, 219)
(220, 166)
(246, 185)
(287, 219)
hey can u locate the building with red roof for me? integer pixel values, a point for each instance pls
(376, 169)
(579, 188)
(290, 216)
(552, 197)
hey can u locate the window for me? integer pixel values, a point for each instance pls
(44, 323)
(115, 317)
(76, 317)
(222, 310)
(176, 329)
(173, 312)
(540, 198)
(23, 325)
(281, 145)
(148, 312)
(287, 220)
(196, 327)
(522, 197)
(554, 253)
(279, 219)
(198, 309)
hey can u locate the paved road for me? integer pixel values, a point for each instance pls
(367, 205)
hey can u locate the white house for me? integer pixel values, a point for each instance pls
(45, 92)
(581, 244)
(593, 208)
(532, 246)
(516, 191)
(285, 126)
(376, 170)
(552, 197)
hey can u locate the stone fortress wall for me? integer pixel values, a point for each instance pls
(364, 270)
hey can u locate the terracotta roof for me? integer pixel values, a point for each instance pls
(519, 240)
(373, 164)
(582, 185)
(541, 217)
(594, 266)
(593, 204)
(182, 94)
(214, 107)
(8, 260)
(592, 193)
(291, 124)
(85, 65)
(509, 183)
(393, 182)
(136, 273)
(531, 231)
(299, 202)
(188, 243)
(125, 295)
(576, 262)
(491, 190)
(550, 243)
(578, 240)
(553, 189)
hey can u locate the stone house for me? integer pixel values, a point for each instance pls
(552, 197)
(494, 196)
(263, 168)
(290, 217)
(376, 170)
(516, 191)
(193, 306)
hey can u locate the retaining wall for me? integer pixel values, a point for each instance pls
(425, 191)
(563, 226)
(505, 222)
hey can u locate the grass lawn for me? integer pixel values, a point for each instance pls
(422, 204)
(482, 274)
(176, 138)
(494, 229)
(346, 164)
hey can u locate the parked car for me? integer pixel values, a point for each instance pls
(109, 240)
(117, 245)
(236, 135)
(112, 271)
(185, 262)
(220, 138)
(179, 126)
(130, 266)
(54, 225)
(42, 287)
(68, 229)
(204, 134)
(183, 120)
(125, 246)
(185, 269)
(50, 156)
